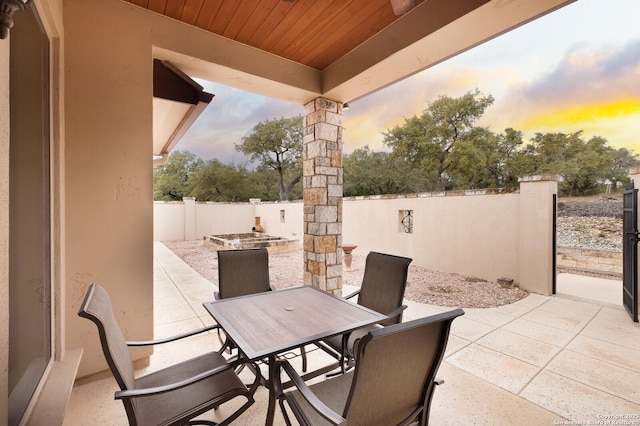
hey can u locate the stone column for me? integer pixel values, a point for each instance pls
(322, 193)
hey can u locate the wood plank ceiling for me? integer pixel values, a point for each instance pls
(315, 33)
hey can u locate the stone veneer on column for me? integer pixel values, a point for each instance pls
(322, 193)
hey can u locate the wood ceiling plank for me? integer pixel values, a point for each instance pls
(141, 3)
(225, 13)
(260, 26)
(290, 21)
(207, 14)
(173, 9)
(157, 6)
(240, 19)
(191, 11)
(314, 30)
(290, 38)
(362, 25)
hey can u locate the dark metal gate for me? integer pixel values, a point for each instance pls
(630, 251)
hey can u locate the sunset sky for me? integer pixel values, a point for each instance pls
(575, 69)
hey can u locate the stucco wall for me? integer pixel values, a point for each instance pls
(468, 234)
(482, 235)
(109, 201)
(289, 226)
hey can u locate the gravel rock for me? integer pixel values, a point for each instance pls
(423, 285)
(608, 206)
(591, 223)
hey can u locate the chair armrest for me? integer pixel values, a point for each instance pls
(355, 293)
(307, 393)
(172, 338)
(396, 312)
(137, 393)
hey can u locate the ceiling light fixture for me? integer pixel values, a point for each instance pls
(400, 7)
(7, 8)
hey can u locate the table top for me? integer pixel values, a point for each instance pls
(272, 322)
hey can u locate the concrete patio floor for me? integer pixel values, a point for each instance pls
(540, 360)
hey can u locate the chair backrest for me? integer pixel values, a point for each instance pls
(243, 272)
(395, 370)
(384, 283)
(97, 308)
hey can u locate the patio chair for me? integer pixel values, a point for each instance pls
(382, 290)
(174, 395)
(392, 383)
(244, 272)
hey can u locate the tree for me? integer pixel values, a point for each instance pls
(372, 173)
(277, 144)
(622, 160)
(585, 166)
(222, 182)
(172, 180)
(428, 141)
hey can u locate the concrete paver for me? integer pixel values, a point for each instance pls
(573, 357)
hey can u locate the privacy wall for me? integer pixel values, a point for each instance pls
(485, 234)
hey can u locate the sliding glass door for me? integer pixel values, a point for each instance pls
(29, 212)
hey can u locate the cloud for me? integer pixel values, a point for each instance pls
(229, 117)
(588, 74)
(575, 69)
(592, 88)
(369, 117)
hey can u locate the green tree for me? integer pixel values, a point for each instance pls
(618, 175)
(429, 140)
(372, 173)
(216, 181)
(277, 144)
(172, 180)
(584, 166)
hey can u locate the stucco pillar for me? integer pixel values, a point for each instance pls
(536, 233)
(322, 193)
(189, 218)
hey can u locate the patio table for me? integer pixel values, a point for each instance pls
(266, 324)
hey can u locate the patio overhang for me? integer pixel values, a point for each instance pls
(298, 53)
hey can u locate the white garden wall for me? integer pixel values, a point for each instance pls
(482, 234)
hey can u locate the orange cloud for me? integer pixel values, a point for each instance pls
(616, 121)
(583, 114)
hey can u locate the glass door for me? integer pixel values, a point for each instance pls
(29, 212)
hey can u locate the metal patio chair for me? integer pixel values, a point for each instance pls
(174, 395)
(382, 290)
(243, 272)
(392, 384)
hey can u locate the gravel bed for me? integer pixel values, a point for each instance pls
(594, 224)
(591, 224)
(423, 285)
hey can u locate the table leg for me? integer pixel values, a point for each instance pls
(272, 393)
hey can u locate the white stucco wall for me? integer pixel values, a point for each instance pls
(486, 236)
(467, 234)
(109, 200)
